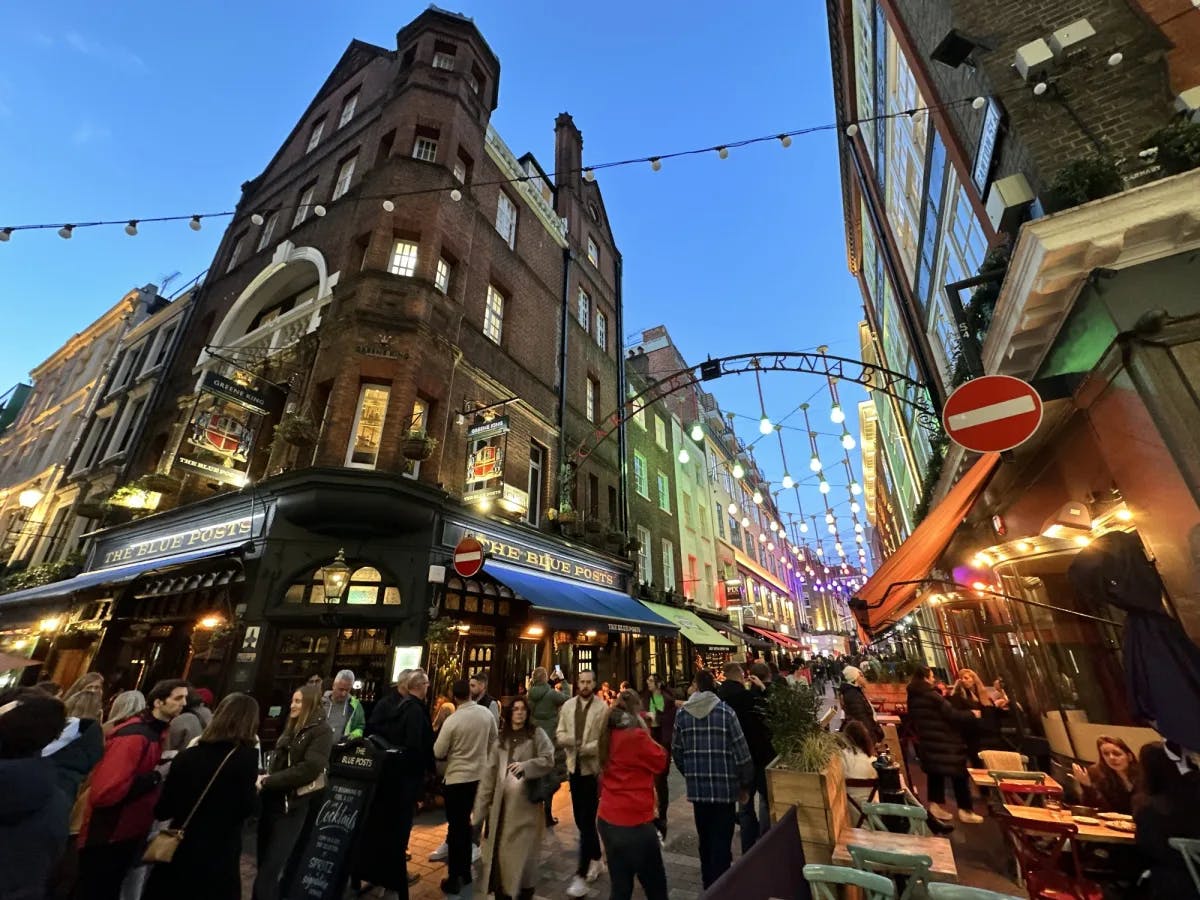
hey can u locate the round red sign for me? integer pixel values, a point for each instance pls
(992, 414)
(468, 557)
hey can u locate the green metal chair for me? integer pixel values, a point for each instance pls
(999, 775)
(1190, 848)
(962, 892)
(918, 817)
(824, 881)
(913, 866)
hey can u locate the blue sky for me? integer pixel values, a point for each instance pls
(139, 109)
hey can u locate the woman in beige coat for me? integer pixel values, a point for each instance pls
(512, 839)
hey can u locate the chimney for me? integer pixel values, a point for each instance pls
(568, 152)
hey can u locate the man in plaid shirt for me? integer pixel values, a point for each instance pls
(710, 750)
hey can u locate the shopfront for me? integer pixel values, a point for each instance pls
(704, 645)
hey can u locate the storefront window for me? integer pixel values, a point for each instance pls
(366, 588)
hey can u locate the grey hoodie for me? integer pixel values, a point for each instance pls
(701, 703)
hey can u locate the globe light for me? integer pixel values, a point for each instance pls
(848, 440)
(788, 482)
(738, 471)
(389, 206)
(655, 163)
(745, 521)
(697, 432)
(851, 130)
(257, 219)
(979, 103)
(833, 529)
(765, 426)
(194, 224)
(854, 507)
(684, 456)
(131, 228)
(858, 538)
(762, 538)
(785, 140)
(836, 416)
(804, 528)
(757, 497)
(815, 463)
(823, 487)
(732, 508)
(774, 525)
(770, 547)
(829, 517)
(820, 551)
(855, 488)
(723, 152)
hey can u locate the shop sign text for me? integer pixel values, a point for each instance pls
(210, 534)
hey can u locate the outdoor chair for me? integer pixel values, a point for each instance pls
(1190, 848)
(999, 775)
(917, 816)
(1004, 760)
(1046, 857)
(912, 867)
(962, 892)
(825, 880)
(1024, 793)
(858, 815)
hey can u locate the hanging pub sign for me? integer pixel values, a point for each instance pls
(733, 590)
(487, 442)
(220, 434)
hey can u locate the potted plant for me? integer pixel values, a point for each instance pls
(297, 429)
(567, 515)
(1080, 181)
(159, 483)
(1178, 146)
(593, 525)
(418, 445)
(614, 537)
(807, 773)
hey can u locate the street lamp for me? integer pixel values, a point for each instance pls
(30, 497)
(336, 576)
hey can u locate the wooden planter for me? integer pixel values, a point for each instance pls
(820, 801)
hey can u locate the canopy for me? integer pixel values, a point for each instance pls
(787, 643)
(574, 604)
(888, 596)
(750, 640)
(691, 626)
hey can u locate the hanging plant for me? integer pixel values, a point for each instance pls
(418, 446)
(615, 537)
(91, 509)
(593, 525)
(1081, 181)
(159, 483)
(297, 429)
(129, 496)
(567, 515)
(1178, 146)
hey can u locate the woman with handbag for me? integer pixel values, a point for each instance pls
(511, 801)
(208, 794)
(297, 771)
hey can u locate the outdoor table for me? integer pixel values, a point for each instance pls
(1099, 834)
(887, 719)
(983, 780)
(936, 848)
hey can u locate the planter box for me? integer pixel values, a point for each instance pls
(820, 801)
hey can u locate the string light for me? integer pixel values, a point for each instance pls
(745, 521)
(815, 463)
(804, 528)
(979, 103)
(1116, 58)
(655, 163)
(848, 440)
(319, 210)
(6, 235)
(723, 152)
(829, 518)
(854, 507)
(836, 416)
(757, 497)
(456, 195)
(738, 471)
(785, 140)
(851, 129)
(787, 481)
(765, 426)
(256, 219)
(389, 206)
(1040, 88)
(194, 224)
(855, 488)
(589, 175)
(131, 228)
(823, 485)
(732, 509)
(697, 432)
(66, 231)
(684, 456)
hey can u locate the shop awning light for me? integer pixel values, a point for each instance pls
(50, 624)
(1124, 515)
(591, 633)
(535, 631)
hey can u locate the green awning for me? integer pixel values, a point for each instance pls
(691, 626)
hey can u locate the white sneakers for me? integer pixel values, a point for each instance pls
(476, 853)
(577, 888)
(935, 809)
(443, 851)
(595, 868)
(968, 817)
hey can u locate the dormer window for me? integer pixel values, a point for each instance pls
(443, 56)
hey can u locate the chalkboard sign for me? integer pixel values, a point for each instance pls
(323, 868)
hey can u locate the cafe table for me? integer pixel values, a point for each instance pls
(1098, 834)
(981, 779)
(937, 849)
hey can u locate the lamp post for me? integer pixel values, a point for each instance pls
(336, 577)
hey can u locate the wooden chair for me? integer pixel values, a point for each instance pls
(873, 784)
(914, 867)
(918, 817)
(1190, 848)
(999, 775)
(962, 892)
(1040, 848)
(1026, 793)
(820, 878)
(1004, 760)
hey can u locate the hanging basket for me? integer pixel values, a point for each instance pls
(418, 446)
(159, 482)
(91, 509)
(299, 431)
(595, 526)
(567, 516)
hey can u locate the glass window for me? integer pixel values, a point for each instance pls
(645, 571)
(593, 253)
(592, 390)
(419, 421)
(348, 107)
(364, 587)
(537, 470)
(583, 309)
(443, 60)
(345, 174)
(638, 411)
(660, 432)
(685, 509)
(601, 330)
(720, 521)
(404, 258)
(368, 426)
(641, 475)
(493, 315)
(462, 166)
(314, 136)
(668, 555)
(425, 149)
(235, 255)
(506, 219)
(268, 229)
(303, 205)
(441, 280)
(664, 492)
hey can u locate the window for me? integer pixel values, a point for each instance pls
(235, 255)
(348, 107)
(537, 475)
(493, 315)
(593, 497)
(443, 55)
(641, 476)
(344, 176)
(686, 511)
(441, 280)
(593, 253)
(99, 437)
(645, 565)
(668, 554)
(612, 506)
(314, 136)
(164, 345)
(720, 521)
(601, 331)
(506, 219)
(418, 422)
(404, 259)
(639, 411)
(664, 492)
(129, 423)
(691, 579)
(475, 78)
(660, 432)
(593, 389)
(268, 229)
(304, 205)
(368, 426)
(425, 148)
(583, 309)
(463, 165)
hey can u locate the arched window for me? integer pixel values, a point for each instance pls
(367, 587)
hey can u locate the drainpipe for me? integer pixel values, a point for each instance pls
(622, 441)
(564, 326)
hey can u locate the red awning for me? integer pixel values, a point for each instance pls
(781, 639)
(887, 595)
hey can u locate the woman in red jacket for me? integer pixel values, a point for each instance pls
(630, 760)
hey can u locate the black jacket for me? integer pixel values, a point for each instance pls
(301, 759)
(940, 730)
(750, 706)
(207, 863)
(76, 758)
(858, 709)
(33, 827)
(403, 723)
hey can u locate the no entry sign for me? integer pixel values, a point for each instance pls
(992, 414)
(468, 557)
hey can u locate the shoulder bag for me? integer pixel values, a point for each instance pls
(163, 845)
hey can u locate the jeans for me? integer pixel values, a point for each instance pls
(754, 820)
(634, 850)
(714, 828)
(102, 868)
(962, 789)
(278, 837)
(663, 797)
(460, 799)
(585, 798)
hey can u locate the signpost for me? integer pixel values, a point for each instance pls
(468, 557)
(992, 414)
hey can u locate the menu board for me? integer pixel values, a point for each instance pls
(323, 869)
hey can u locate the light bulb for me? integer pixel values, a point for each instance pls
(765, 426)
(66, 231)
(1083, 540)
(820, 551)
(1040, 88)
(804, 528)
(833, 529)
(785, 140)
(855, 488)
(1124, 515)
(6, 235)
(1115, 59)
(757, 497)
(851, 130)
(655, 163)
(859, 538)
(823, 487)
(979, 103)
(732, 508)
(257, 219)
(131, 228)
(745, 521)
(456, 195)
(854, 507)
(774, 526)
(697, 432)
(858, 527)
(836, 416)
(787, 481)
(589, 175)
(388, 206)
(194, 224)
(723, 152)
(829, 518)
(738, 471)
(847, 440)
(815, 463)
(770, 547)
(318, 210)
(762, 538)
(684, 456)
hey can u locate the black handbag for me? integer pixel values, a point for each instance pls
(541, 790)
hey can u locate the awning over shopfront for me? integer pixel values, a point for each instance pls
(691, 626)
(575, 604)
(892, 591)
(741, 637)
(114, 575)
(782, 640)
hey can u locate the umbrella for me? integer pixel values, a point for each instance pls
(1162, 665)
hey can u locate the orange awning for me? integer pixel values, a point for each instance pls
(886, 594)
